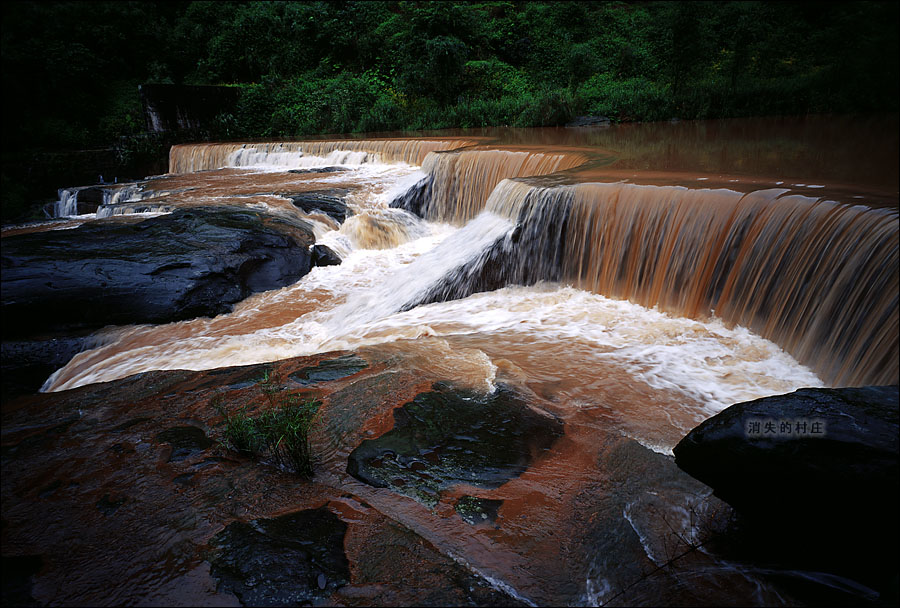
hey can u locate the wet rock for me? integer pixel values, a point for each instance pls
(236, 377)
(185, 479)
(326, 371)
(449, 436)
(805, 449)
(427, 577)
(319, 170)
(120, 428)
(813, 475)
(185, 440)
(416, 199)
(476, 510)
(132, 207)
(290, 560)
(330, 204)
(533, 251)
(110, 504)
(18, 573)
(193, 262)
(26, 364)
(643, 515)
(322, 255)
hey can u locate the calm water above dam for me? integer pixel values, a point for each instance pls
(632, 280)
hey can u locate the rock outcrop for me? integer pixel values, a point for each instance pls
(59, 286)
(193, 262)
(813, 477)
(330, 203)
(809, 449)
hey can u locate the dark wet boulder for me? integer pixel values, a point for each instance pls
(813, 477)
(18, 575)
(416, 199)
(190, 263)
(449, 436)
(26, 364)
(323, 255)
(329, 203)
(295, 559)
(803, 450)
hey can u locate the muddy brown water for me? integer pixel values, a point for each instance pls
(676, 268)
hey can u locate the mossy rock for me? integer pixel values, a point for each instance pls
(476, 510)
(449, 436)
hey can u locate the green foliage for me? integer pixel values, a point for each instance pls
(279, 433)
(70, 69)
(628, 99)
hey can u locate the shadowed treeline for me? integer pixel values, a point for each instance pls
(71, 70)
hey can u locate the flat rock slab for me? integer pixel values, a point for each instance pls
(284, 561)
(193, 262)
(449, 436)
(332, 369)
(95, 512)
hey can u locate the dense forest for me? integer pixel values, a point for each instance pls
(71, 70)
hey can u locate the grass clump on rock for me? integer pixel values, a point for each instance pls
(279, 434)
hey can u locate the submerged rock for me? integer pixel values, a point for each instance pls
(449, 436)
(590, 121)
(185, 440)
(290, 560)
(327, 203)
(476, 510)
(193, 262)
(319, 170)
(332, 369)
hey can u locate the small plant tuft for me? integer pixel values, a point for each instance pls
(280, 434)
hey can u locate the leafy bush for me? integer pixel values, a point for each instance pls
(630, 99)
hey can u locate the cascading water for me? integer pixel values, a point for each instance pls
(187, 158)
(629, 312)
(789, 267)
(67, 205)
(804, 272)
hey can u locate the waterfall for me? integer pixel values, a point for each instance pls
(817, 277)
(461, 182)
(67, 205)
(187, 158)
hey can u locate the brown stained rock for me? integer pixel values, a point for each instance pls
(89, 484)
